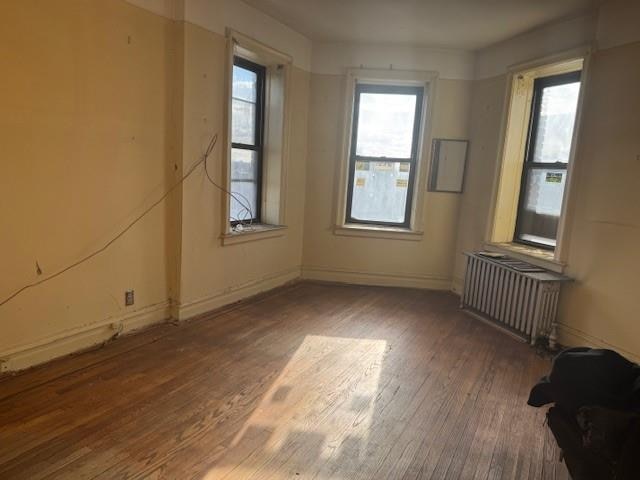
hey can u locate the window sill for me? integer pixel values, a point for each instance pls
(372, 231)
(253, 233)
(536, 256)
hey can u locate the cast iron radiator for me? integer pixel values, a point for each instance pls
(520, 297)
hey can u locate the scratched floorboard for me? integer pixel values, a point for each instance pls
(311, 381)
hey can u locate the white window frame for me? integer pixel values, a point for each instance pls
(276, 138)
(504, 207)
(428, 81)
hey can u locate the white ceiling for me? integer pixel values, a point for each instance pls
(465, 24)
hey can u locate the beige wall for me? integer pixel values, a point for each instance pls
(538, 43)
(599, 307)
(487, 107)
(85, 144)
(105, 105)
(211, 274)
(426, 263)
(100, 101)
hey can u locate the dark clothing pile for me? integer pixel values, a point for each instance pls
(596, 416)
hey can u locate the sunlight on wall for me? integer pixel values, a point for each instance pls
(297, 430)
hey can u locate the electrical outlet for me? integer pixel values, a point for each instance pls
(128, 298)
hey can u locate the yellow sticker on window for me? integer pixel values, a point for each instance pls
(360, 182)
(404, 167)
(402, 183)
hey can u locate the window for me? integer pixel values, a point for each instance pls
(256, 147)
(533, 194)
(247, 141)
(383, 154)
(548, 148)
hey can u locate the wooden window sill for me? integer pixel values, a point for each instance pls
(373, 231)
(253, 233)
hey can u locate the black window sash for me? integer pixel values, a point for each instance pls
(412, 160)
(529, 165)
(258, 143)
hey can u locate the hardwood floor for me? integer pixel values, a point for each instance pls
(309, 381)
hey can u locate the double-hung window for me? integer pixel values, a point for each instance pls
(256, 149)
(548, 149)
(383, 154)
(247, 140)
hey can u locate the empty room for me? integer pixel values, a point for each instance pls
(319, 239)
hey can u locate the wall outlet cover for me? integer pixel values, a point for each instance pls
(128, 298)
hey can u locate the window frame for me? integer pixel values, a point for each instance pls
(529, 164)
(386, 88)
(259, 129)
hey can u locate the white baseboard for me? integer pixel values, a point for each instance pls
(229, 295)
(80, 338)
(572, 337)
(328, 274)
(70, 341)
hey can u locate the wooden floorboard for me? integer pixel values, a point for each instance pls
(312, 381)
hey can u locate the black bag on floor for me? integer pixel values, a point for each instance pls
(596, 417)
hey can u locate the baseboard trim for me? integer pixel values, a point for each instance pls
(81, 338)
(572, 337)
(229, 295)
(328, 274)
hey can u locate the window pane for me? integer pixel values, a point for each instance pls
(380, 191)
(540, 213)
(385, 125)
(244, 177)
(243, 122)
(244, 206)
(555, 123)
(245, 84)
(244, 164)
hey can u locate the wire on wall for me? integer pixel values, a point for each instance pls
(246, 207)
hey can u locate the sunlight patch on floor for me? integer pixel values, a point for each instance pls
(304, 431)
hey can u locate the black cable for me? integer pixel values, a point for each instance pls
(212, 144)
(246, 207)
